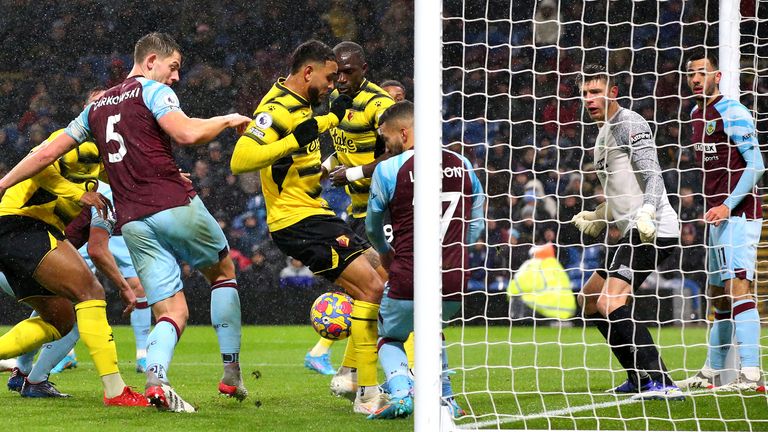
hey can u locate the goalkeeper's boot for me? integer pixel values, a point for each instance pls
(68, 362)
(344, 383)
(707, 379)
(750, 379)
(320, 364)
(127, 398)
(231, 384)
(656, 390)
(369, 400)
(626, 387)
(44, 389)
(395, 408)
(453, 407)
(16, 380)
(162, 396)
(141, 365)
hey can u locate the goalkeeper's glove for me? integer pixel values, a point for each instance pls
(645, 221)
(592, 223)
(306, 132)
(340, 105)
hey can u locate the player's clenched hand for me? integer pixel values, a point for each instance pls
(340, 106)
(591, 223)
(128, 298)
(237, 121)
(95, 199)
(339, 176)
(716, 215)
(646, 223)
(306, 132)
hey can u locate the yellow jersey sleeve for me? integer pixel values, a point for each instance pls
(50, 179)
(267, 139)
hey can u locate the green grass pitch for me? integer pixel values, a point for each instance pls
(287, 397)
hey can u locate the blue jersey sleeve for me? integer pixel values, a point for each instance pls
(739, 125)
(159, 98)
(477, 224)
(381, 192)
(78, 129)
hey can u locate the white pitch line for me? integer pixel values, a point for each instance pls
(560, 412)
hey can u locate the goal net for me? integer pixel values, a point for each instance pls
(511, 104)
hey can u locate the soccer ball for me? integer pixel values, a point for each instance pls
(330, 315)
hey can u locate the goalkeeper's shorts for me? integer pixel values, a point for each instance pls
(632, 261)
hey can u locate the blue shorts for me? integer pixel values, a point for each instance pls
(188, 233)
(732, 250)
(120, 251)
(396, 316)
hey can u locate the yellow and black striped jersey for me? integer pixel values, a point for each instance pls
(43, 196)
(355, 139)
(291, 184)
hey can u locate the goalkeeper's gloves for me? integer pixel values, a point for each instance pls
(340, 105)
(592, 223)
(645, 222)
(306, 132)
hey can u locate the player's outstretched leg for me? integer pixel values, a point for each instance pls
(318, 359)
(226, 320)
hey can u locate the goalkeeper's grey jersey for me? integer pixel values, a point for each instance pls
(628, 168)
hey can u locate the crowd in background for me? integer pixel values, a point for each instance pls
(511, 101)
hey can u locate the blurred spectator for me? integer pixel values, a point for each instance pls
(296, 275)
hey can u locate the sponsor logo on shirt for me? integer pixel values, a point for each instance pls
(639, 136)
(706, 147)
(256, 132)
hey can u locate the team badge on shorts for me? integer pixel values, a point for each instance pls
(342, 240)
(711, 127)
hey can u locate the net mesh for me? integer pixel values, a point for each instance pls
(512, 106)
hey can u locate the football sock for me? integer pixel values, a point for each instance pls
(225, 318)
(24, 361)
(410, 350)
(97, 335)
(160, 345)
(51, 354)
(364, 333)
(447, 391)
(321, 347)
(25, 336)
(720, 336)
(623, 352)
(350, 354)
(141, 321)
(395, 365)
(623, 328)
(746, 320)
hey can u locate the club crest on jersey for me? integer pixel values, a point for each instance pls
(710, 129)
(263, 120)
(350, 115)
(342, 240)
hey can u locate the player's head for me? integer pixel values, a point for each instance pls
(352, 67)
(598, 91)
(703, 74)
(396, 127)
(158, 57)
(83, 162)
(396, 89)
(314, 65)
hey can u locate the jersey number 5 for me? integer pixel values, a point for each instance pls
(112, 135)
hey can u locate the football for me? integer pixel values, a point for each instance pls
(330, 315)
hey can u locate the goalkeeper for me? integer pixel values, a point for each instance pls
(636, 203)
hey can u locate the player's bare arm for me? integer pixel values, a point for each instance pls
(188, 131)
